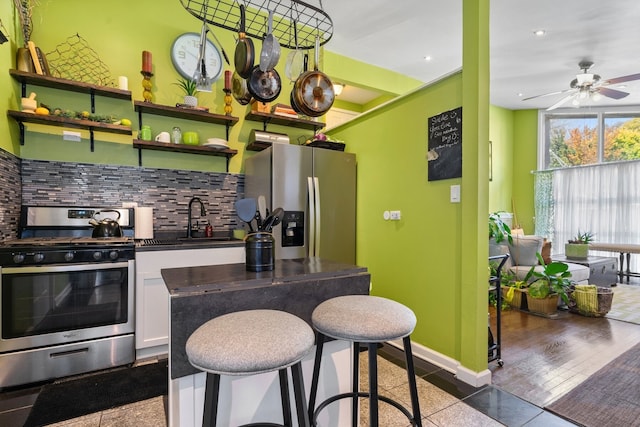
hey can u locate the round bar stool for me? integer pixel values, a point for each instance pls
(371, 320)
(248, 343)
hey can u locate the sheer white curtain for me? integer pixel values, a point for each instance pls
(603, 199)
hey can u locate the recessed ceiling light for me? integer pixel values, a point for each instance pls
(520, 94)
(427, 58)
(539, 33)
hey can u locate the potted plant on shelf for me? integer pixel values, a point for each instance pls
(550, 284)
(578, 247)
(190, 91)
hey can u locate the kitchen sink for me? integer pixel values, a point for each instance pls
(177, 238)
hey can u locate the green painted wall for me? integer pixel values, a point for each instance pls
(501, 159)
(8, 87)
(525, 146)
(434, 259)
(415, 260)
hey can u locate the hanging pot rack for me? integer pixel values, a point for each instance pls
(310, 21)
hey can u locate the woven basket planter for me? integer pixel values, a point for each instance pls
(546, 306)
(518, 298)
(591, 304)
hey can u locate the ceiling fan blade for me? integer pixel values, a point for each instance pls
(622, 79)
(559, 103)
(548, 94)
(612, 93)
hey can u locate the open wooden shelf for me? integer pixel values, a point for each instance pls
(183, 148)
(267, 118)
(184, 113)
(22, 117)
(65, 84)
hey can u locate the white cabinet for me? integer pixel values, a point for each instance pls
(152, 297)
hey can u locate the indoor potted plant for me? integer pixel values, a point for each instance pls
(549, 284)
(498, 229)
(190, 91)
(578, 247)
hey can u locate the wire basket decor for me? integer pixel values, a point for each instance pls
(292, 19)
(75, 60)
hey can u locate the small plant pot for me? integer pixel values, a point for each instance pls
(545, 306)
(191, 101)
(576, 250)
(516, 301)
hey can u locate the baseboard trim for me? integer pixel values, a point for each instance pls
(466, 375)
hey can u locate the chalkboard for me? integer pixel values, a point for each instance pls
(444, 155)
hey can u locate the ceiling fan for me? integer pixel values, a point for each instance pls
(589, 86)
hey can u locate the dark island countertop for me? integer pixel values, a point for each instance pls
(297, 286)
(215, 278)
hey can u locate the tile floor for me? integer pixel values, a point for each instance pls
(444, 401)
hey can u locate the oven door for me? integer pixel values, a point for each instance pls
(60, 304)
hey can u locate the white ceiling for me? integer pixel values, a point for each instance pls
(397, 35)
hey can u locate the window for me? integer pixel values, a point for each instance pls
(588, 138)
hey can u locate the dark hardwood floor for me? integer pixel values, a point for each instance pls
(545, 358)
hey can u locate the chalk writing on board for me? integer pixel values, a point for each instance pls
(444, 151)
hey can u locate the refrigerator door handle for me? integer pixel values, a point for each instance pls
(316, 183)
(312, 217)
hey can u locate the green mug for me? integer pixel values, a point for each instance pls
(145, 133)
(190, 138)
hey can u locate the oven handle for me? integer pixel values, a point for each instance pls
(62, 268)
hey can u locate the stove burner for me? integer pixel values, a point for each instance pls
(59, 241)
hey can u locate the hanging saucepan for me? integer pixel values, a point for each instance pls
(107, 227)
(244, 54)
(264, 86)
(270, 53)
(293, 65)
(239, 89)
(313, 91)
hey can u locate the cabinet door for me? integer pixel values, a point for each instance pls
(152, 297)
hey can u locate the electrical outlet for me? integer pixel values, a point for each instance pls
(68, 135)
(395, 215)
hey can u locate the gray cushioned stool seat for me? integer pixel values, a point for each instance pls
(250, 342)
(371, 320)
(363, 318)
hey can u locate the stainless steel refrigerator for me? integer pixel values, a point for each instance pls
(316, 187)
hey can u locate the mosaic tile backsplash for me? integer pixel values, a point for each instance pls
(10, 190)
(167, 191)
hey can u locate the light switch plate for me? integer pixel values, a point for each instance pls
(455, 194)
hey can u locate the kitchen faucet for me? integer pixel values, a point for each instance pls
(203, 212)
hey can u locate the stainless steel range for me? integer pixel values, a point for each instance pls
(66, 298)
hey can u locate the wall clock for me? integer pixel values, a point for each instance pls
(184, 55)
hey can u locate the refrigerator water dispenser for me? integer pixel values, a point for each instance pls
(293, 228)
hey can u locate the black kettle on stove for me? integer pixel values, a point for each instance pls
(106, 227)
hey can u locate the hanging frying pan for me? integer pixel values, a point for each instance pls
(239, 89)
(245, 52)
(313, 90)
(264, 86)
(270, 53)
(294, 105)
(293, 65)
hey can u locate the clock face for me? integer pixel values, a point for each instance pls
(185, 52)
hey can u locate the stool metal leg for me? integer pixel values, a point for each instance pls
(355, 384)
(284, 396)
(298, 391)
(413, 388)
(373, 384)
(316, 374)
(211, 394)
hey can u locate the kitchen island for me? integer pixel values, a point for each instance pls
(198, 294)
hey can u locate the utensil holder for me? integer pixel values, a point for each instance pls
(259, 251)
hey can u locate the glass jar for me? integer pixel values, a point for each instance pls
(176, 135)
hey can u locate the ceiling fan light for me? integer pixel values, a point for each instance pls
(596, 96)
(575, 102)
(584, 78)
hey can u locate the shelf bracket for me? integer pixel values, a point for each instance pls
(91, 138)
(227, 133)
(24, 89)
(21, 126)
(93, 102)
(140, 157)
